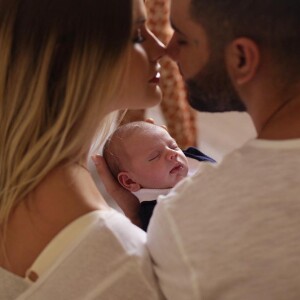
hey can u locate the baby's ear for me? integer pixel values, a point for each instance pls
(127, 183)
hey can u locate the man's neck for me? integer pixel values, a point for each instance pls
(283, 121)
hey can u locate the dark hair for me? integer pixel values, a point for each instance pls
(80, 20)
(273, 24)
(74, 24)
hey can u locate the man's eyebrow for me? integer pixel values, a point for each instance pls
(175, 28)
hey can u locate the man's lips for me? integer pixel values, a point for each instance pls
(155, 79)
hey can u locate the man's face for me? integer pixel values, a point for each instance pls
(203, 67)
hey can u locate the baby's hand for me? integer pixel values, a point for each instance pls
(125, 199)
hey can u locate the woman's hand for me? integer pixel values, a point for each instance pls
(126, 200)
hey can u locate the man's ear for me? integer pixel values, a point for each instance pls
(127, 183)
(242, 59)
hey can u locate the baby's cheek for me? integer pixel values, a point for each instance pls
(162, 178)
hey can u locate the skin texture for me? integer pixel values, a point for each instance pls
(69, 192)
(138, 90)
(204, 69)
(152, 159)
(246, 69)
(241, 67)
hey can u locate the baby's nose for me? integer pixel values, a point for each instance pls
(172, 155)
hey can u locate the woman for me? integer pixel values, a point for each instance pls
(65, 65)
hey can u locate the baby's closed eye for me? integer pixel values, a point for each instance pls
(153, 156)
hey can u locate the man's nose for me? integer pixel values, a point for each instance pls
(172, 49)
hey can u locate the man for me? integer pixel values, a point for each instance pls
(233, 232)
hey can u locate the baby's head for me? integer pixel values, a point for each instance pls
(144, 155)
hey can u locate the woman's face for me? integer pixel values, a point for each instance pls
(140, 88)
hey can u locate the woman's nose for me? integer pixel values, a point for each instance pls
(157, 49)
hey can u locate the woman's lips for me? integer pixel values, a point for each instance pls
(155, 79)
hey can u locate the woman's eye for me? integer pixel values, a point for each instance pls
(139, 38)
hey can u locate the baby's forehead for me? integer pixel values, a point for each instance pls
(150, 139)
(138, 137)
(153, 131)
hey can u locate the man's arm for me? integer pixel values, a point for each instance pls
(171, 262)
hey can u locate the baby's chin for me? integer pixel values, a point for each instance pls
(178, 178)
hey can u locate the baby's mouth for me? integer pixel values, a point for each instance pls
(177, 168)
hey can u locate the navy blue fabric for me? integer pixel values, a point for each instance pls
(193, 152)
(145, 213)
(147, 207)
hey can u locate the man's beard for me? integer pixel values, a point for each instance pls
(212, 91)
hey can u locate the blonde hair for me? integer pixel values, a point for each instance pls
(61, 63)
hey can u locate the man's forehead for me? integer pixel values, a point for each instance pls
(180, 8)
(182, 20)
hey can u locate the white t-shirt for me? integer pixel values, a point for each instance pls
(233, 231)
(99, 256)
(152, 194)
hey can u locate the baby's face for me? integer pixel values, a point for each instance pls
(155, 160)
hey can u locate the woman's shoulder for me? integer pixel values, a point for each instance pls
(96, 235)
(98, 231)
(116, 228)
(11, 285)
(105, 258)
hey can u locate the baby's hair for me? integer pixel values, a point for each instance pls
(114, 150)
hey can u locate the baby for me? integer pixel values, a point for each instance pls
(147, 161)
